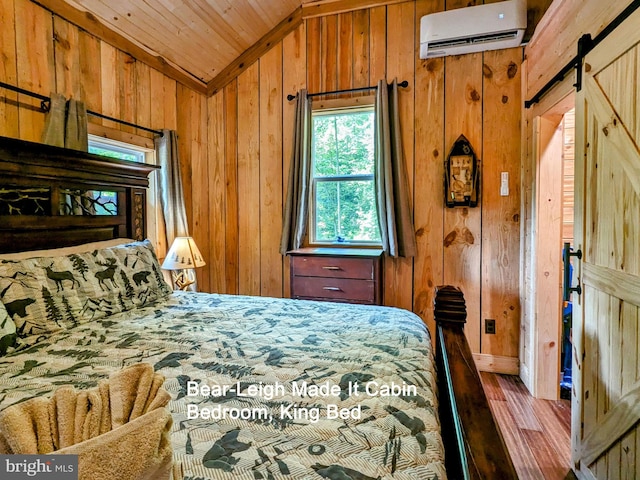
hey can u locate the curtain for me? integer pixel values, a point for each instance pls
(297, 203)
(76, 135)
(173, 211)
(170, 187)
(66, 124)
(392, 187)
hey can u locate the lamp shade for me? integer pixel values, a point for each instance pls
(183, 254)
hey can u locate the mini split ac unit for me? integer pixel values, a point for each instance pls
(473, 29)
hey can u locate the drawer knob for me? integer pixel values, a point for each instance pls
(331, 267)
(333, 289)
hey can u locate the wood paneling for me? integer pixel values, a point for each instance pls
(9, 125)
(548, 267)
(568, 158)
(254, 52)
(294, 72)
(314, 42)
(216, 185)
(478, 249)
(538, 336)
(249, 221)
(361, 45)
(184, 103)
(90, 69)
(35, 64)
(100, 29)
(329, 54)
(555, 41)
(322, 8)
(67, 51)
(345, 74)
(271, 172)
(109, 84)
(43, 52)
(127, 89)
(199, 176)
(204, 44)
(401, 57)
(607, 394)
(429, 172)
(230, 228)
(377, 45)
(463, 225)
(501, 214)
(235, 146)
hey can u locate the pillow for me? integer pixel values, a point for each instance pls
(58, 252)
(7, 330)
(46, 294)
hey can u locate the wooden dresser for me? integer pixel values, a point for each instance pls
(337, 275)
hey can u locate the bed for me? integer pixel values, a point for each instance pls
(260, 387)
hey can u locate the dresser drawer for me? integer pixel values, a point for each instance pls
(339, 289)
(337, 275)
(334, 267)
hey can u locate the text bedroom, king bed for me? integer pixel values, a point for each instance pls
(258, 388)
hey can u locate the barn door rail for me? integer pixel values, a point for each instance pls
(585, 45)
(567, 289)
(45, 105)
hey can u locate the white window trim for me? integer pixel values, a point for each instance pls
(347, 109)
(154, 220)
(148, 154)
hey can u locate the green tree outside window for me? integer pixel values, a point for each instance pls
(343, 195)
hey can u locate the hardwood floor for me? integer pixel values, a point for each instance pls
(537, 432)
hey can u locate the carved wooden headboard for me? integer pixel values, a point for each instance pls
(56, 197)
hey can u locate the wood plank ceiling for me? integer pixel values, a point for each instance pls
(204, 44)
(199, 37)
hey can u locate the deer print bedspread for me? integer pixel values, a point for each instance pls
(262, 388)
(47, 294)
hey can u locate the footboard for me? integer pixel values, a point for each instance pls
(473, 443)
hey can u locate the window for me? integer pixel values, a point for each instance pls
(135, 153)
(114, 149)
(343, 207)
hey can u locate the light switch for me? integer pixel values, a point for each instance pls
(504, 184)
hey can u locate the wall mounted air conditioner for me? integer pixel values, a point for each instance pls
(473, 29)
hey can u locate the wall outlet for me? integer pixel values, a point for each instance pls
(489, 326)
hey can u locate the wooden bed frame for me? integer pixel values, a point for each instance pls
(37, 182)
(473, 444)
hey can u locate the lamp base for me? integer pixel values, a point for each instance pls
(183, 280)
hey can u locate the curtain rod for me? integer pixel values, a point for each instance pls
(403, 84)
(585, 45)
(45, 104)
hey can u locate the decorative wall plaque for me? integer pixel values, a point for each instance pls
(461, 175)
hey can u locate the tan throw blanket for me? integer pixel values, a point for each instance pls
(119, 428)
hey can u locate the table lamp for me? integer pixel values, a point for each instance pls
(182, 259)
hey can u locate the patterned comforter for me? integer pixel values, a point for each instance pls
(264, 388)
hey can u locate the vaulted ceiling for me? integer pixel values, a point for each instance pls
(205, 43)
(200, 37)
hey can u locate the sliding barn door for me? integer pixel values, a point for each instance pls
(606, 396)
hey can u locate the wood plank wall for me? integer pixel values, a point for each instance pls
(250, 127)
(568, 160)
(44, 53)
(235, 146)
(555, 40)
(551, 47)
